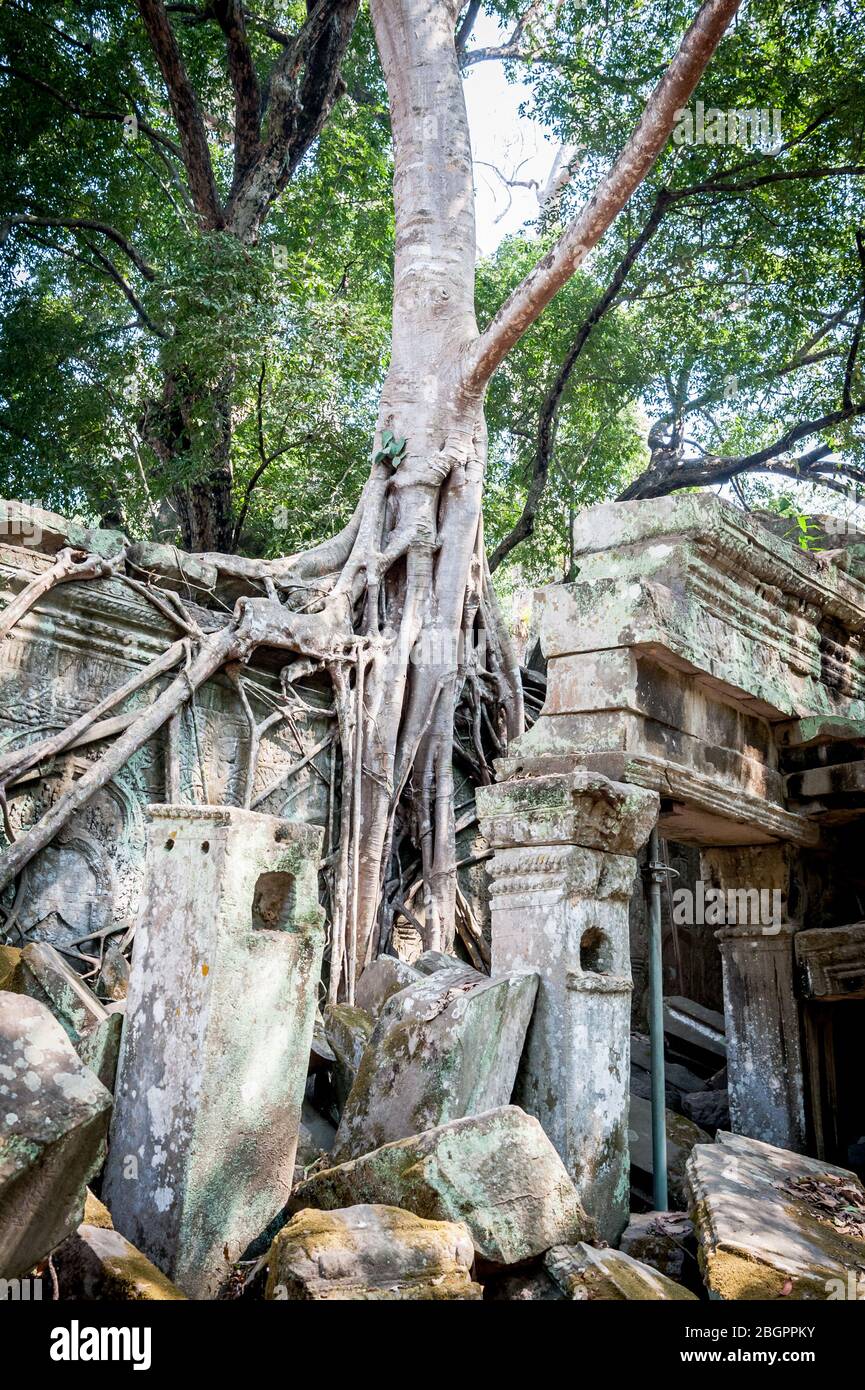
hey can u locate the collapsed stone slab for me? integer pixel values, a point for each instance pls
(497, 1172)
(664, 1240)
(348, 1030)
(445, 1047)
(382, 978)
(217, 1038)
(10, 960)
(584, 1273)
(98, 1263)
(43, 974)
(370, 1253)
(53, 1124)
(773, 1224)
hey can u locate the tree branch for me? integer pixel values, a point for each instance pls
(530, 298)
(847, 391)
(244, 79)
(548, 419)
(464, 32)
(91, 113)
(123, 284)
(84, 224)
(186, 112)
(304, 85)
(702, 472)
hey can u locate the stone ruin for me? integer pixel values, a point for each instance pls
(182, 1115)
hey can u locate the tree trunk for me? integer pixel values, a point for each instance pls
(188, 421)
(421, 532)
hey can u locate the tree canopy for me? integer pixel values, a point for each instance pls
(713, 332)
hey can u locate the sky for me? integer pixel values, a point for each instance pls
(505, 139)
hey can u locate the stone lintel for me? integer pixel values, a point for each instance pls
(573, 807)
(772, 937)
(832, 961)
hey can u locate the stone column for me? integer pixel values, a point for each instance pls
(562, 876)
(759, 890)
(764, 1052)
(216, 1042)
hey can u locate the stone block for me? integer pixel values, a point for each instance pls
(96, 1213)
(584, 1273)
(348, 1030)
(93, 1032)
(430, 962)
(217, 1039)
(682, 1135)
(772, 1224)
(497, 1172)
(383, 977)
(443, 1048)
(371, 1253)
(664, 1240)
(53, 1124)
(708, 1109)
(10, 960)
(99, 1264)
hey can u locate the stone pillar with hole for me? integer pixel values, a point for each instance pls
(216, 1042)
(562, 876)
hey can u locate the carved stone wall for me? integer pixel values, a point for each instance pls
(707, 658)
(82, 641)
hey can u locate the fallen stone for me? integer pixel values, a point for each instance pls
(96, 1213)
(371, 1253)
(708, 1109)
(694, 1032)
(228, 945)
(321, 1054)
(176, 569)
(679, 1077)
(53, 1124)
(497, 1172)
(664, 1240)
(24, 524)
(10, 960)
(682, 1135)
(98, 1263)
(382, 978)
(430, 962)
(445, 1047)
(113, 981)
(348, 1030)
(774, 1224)
(94, 1032)
(582, 1272)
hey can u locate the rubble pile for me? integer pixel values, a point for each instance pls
(473, 1202)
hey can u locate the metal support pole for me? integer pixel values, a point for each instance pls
(655, 874)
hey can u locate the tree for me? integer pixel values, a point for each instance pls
(398, 607)
(736, 273)
(164, 206)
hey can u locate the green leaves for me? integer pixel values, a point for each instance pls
(391, 450)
